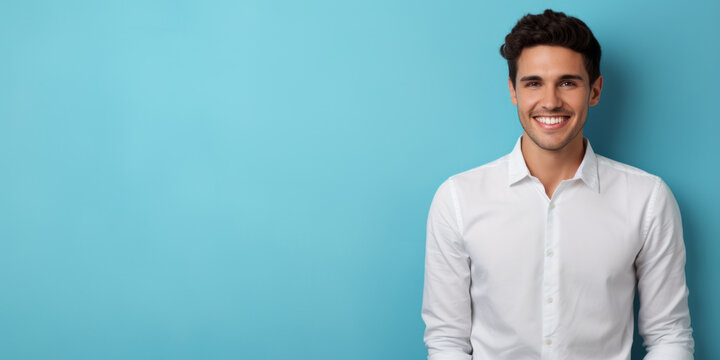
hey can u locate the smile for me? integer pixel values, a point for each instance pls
(552, 122)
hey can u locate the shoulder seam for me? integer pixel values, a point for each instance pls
(650, 208)
(456, 206)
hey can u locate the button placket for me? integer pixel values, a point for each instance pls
(550, 278)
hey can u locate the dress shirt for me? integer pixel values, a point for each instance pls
(511, 274)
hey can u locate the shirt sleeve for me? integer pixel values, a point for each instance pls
(663, 318)
(446, 307)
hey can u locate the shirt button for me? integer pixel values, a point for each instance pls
(548, 341)
(549, 300)
(552, 205)
(549, 253)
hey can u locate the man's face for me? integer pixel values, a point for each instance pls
(552, 94)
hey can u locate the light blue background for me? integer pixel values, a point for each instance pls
(250, 180)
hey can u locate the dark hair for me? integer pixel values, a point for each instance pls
(552, 28)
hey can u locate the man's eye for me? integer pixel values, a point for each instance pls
(567, 83)
(532, 84)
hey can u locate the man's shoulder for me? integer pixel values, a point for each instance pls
(497, 166)
(483, 176)
(610, 167)
(630, 180)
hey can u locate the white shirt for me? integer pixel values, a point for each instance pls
(511, 274)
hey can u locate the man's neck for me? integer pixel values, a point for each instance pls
(553, 166)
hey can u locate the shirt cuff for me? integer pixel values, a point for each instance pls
(450, 355)
(669, 352)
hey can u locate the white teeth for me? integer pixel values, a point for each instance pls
(549, 120)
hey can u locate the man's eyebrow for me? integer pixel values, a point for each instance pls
(571, 77)
(530, 78)
(563, 77)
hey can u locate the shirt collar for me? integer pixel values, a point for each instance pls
(587, 171)
(517, 169)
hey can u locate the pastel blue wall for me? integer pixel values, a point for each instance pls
(250, 180)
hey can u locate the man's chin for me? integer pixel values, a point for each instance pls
(550, 144)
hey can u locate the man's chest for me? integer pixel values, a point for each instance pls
(578, 235)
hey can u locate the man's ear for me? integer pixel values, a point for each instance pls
(513, 95)
(595, 91)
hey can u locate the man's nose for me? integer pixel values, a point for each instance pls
(551, 100)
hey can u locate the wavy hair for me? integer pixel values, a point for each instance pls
(552, 28)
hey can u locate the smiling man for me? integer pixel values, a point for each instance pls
(537, 255)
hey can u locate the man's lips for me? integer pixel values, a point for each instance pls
(551, 122)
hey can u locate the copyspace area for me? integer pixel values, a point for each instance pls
(251, 179)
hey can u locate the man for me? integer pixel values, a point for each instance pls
(537, 255)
